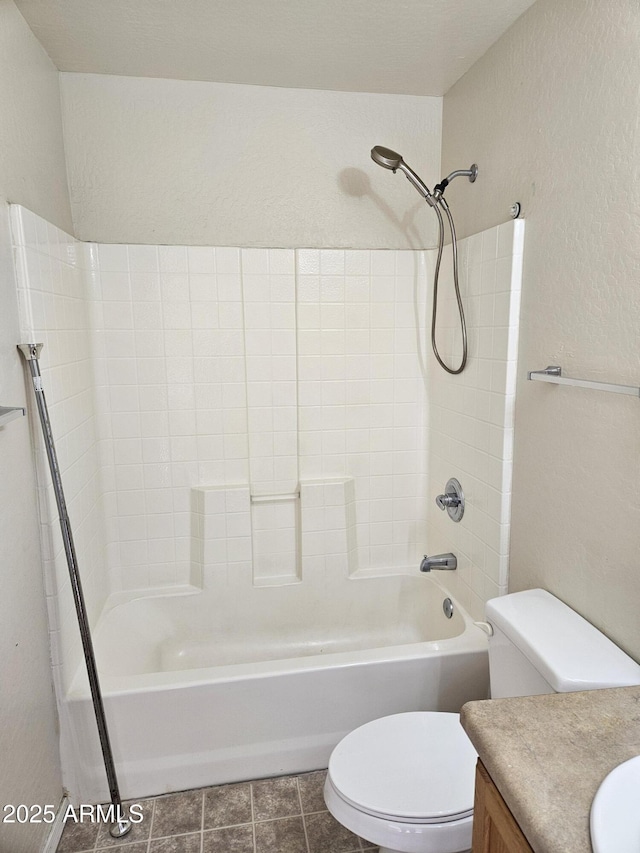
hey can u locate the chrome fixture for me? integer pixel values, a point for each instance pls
(553, 373)
(471, 173)
(452, 500)
(389, 159)
(515, 210)
(121, 825)
(440, 562)
(447, 607)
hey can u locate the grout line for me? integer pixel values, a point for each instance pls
(153, 815)
(304, 823)
(202, 821)
(253, 818)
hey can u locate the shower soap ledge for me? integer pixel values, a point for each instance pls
(10, 413)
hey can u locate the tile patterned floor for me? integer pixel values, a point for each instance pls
(283, 815)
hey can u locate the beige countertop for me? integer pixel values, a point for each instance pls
(548, 755)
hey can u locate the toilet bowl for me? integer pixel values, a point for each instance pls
(406, 783)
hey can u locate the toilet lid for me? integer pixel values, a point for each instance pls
(416, 767)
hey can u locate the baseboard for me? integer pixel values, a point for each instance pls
(57, 828)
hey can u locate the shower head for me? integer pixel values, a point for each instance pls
(385, 157)
(389, 159)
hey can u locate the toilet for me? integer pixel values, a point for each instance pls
(406, 782)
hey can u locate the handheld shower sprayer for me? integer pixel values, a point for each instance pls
(389, 159)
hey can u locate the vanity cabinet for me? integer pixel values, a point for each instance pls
(494, 827)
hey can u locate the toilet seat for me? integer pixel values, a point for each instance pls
(416, 767)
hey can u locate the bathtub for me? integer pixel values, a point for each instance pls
(232, 684)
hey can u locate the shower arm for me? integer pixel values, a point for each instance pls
(471, 173)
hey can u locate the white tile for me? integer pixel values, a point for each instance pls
(143, 259)
(357, 262)
(490, 244)
(502, 308)
(308, 261)
(255, 261)
(227, 260)
(113, 258)
(173, 259)
(505, 240)
(282, 261)
(117, 315)
(332, 262)
(200, 260)
(383, 263)
(145, 286)
(174, 287)
(474, 250)
(203, 288)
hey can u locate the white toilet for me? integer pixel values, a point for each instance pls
(406, 782)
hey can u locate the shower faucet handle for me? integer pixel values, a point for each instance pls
(452, 500)
(445, 501)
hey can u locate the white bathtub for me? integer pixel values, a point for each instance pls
(238, 684)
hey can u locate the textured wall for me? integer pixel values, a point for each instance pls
(178, 162)
(550, 114)
(32, 167)
(31, 171)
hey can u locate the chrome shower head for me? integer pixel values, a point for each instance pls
(389, 159)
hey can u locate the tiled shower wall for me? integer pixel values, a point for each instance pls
(270, 368)
(261, 414)
(54, 310)
(471, 416)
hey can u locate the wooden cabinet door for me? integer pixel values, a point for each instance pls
(494, 827)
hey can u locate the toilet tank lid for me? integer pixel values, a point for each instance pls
(569, 652)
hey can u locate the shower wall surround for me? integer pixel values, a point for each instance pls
(266, 368)
(471, 416)
(55, 310)
(261, 416)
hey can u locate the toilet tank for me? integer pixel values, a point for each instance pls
(539, 645)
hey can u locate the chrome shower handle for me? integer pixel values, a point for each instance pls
(446, 501)
(452, 500)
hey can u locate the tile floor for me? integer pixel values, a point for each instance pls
(283, 815)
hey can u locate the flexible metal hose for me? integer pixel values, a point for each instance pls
(454, 247)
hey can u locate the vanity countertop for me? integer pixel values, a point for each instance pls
(548, 755)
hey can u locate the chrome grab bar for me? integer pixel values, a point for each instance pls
(553, 374)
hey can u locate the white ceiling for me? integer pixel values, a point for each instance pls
(416, 47)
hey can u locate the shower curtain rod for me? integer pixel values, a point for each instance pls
(121, 825)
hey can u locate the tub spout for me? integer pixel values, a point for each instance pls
(442, 562)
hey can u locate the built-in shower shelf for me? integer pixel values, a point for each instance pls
(553, 374)
(9, 413)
